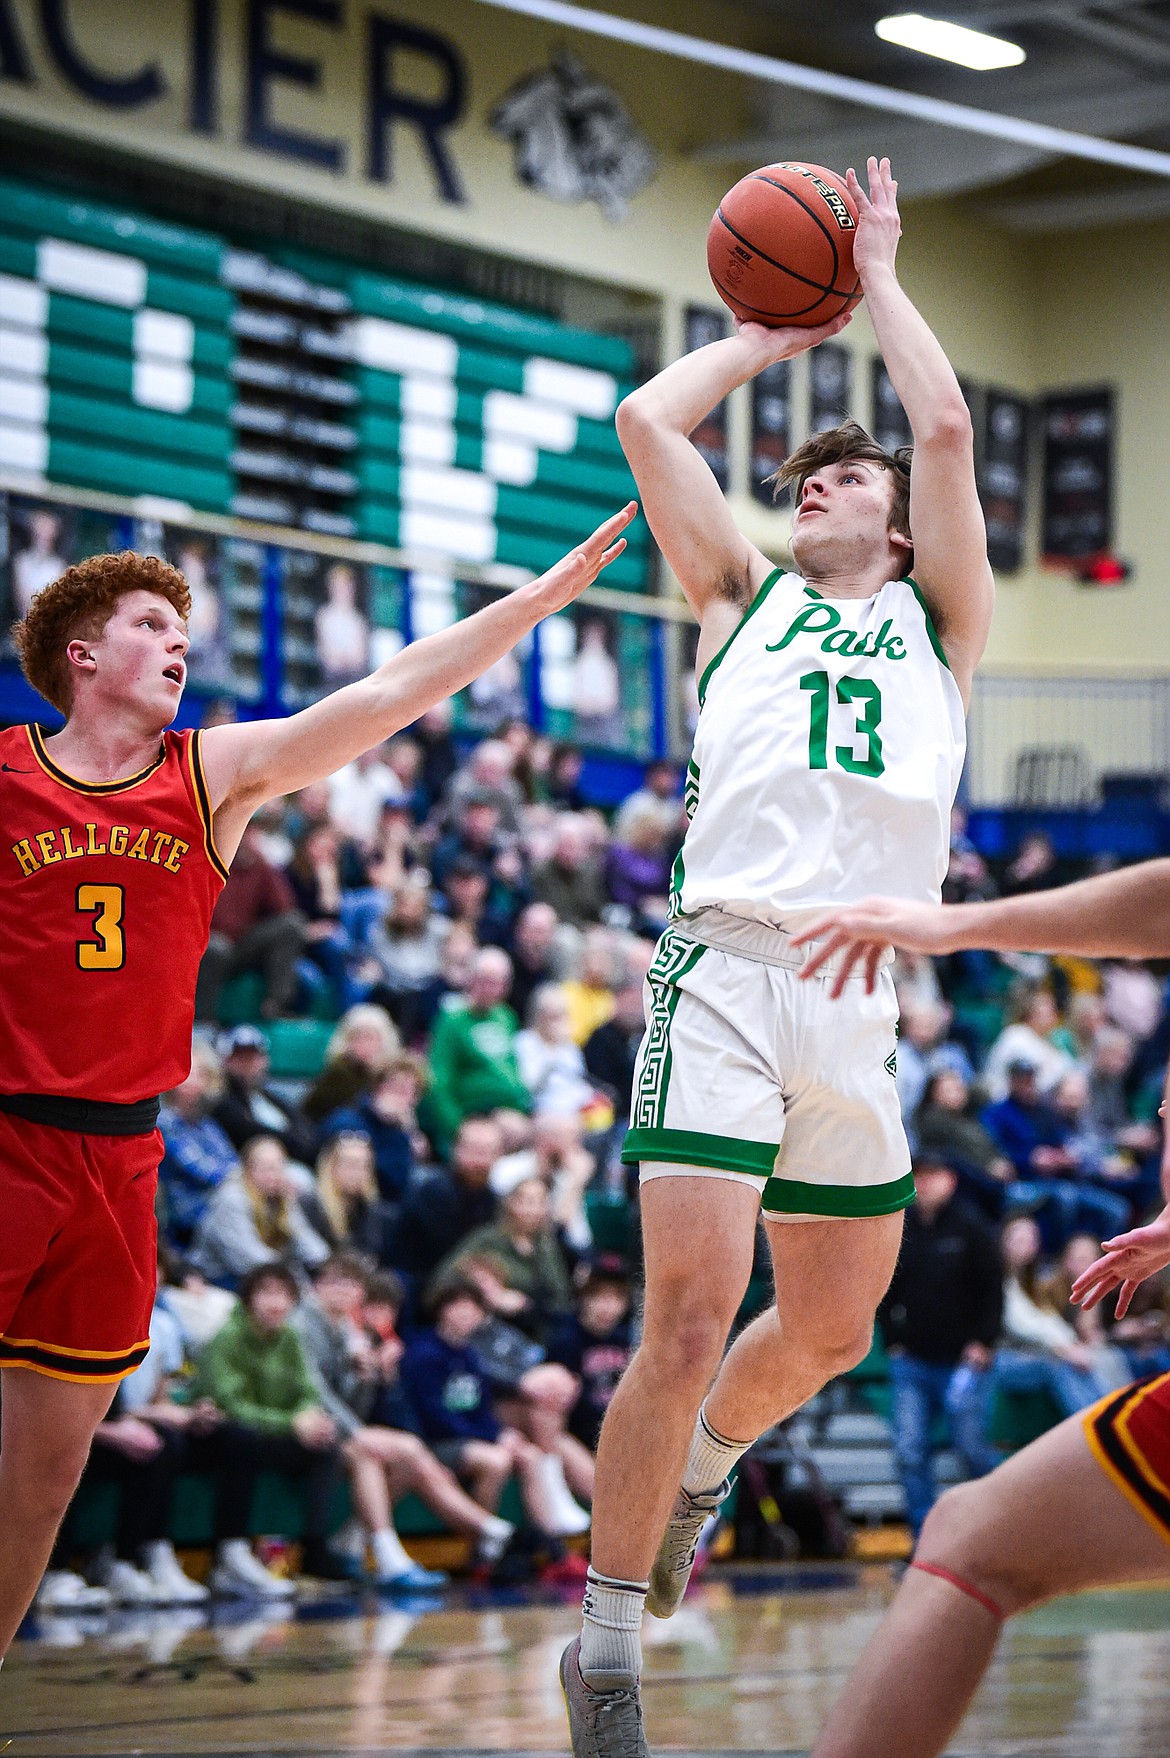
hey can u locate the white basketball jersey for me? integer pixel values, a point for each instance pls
(829, 747)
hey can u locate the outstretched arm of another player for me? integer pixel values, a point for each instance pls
(253, 762)
(946, 519)
(684, 505)
(1115, 915)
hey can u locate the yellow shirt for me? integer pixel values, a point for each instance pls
(589, 1007)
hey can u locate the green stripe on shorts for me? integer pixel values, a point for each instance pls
(690, 1147)
(674, 957)
(789, 1196)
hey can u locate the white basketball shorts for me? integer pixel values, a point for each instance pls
(748, 1072)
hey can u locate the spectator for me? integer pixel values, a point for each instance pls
(386, 1115)
(384, 1464)
(940, 1319)
(537, 954)
(403, 756)
(522, 1245)
(564, 778)
(637, 871)
(1029, 1038)
(612, 1048)
(661, 795)
(556, 1154)
(595, 1342)
(198, 1154)
(946, 1125)
(570, 879)
(1040, 1350)
(490, 777)
(255, 927)
(924, 1050)
(256, 1218)
(358, 792)
(1035, 1138)
(452, 1395)
(403, 967)
(473, 1054)
(255, 1372)
(248, 1106)
(315, 879)
(442, 1205)
(475, 843)
(440, 759)
(1034, 867)
(364, 1043)
(345, 1208)
(551, 1065)
(590, 994)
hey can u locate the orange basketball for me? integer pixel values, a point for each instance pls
(780, 247)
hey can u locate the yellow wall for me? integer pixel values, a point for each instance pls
(1013, 311)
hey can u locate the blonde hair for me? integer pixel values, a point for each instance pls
(366, 1013)
(332, 1199)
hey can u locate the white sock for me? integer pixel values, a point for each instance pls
(493, 1540)
(611, 1622)
(232, 1549)
(389, 1556)
(710, 1459)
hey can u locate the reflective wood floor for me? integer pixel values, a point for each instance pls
(750, 1664)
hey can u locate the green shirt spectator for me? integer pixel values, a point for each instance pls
(258, 1378)
(473, 1056)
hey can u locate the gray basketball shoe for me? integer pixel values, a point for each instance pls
(676, 1554)
(605, 1720)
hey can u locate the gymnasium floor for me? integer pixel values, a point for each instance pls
(749, 1665)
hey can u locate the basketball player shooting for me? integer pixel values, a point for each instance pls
(1085, 1505)
(117, 839)
(829, 746)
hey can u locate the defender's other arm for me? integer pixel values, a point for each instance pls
(684, 505)
(946, 519)
(254, 762)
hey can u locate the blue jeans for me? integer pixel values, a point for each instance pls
(1073, 1388)
(924, 1391)
(1063, 1208)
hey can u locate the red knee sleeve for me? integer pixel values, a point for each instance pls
(954, 1580)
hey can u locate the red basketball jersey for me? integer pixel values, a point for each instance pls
(106, 894)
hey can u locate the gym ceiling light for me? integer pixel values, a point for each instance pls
(949, 42)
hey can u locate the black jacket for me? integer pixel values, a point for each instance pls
(947, 1290)
(437, 1211)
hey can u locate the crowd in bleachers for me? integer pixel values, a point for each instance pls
(399, 1251)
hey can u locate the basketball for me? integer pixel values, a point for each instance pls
(780, 247)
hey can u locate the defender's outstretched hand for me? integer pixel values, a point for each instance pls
(879, 225)
(1127, 1260)
(862, 933)
(568, 578)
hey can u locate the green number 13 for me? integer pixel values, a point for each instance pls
(850, 690)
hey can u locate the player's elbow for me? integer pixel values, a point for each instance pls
(633, 417)
(949, 427)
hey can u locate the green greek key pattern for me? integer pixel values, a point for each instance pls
(673, 958)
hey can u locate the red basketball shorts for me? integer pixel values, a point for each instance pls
(77, 1249)
(1129, 1433)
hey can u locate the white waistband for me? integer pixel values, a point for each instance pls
(757, 940)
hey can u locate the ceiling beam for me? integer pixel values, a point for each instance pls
(773, 71)
(1073, 212)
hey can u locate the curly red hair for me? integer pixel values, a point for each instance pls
(78, 606)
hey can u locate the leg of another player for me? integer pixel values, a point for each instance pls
(46, 1426)
(1047, 1521)
(699, 1237)
(830, 1276)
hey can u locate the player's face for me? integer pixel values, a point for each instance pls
(141, 654)
(842, 520)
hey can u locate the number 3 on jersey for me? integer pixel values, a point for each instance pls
(861, 692)
(108, 951)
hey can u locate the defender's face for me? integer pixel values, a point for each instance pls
(843, 517)
(140, 656)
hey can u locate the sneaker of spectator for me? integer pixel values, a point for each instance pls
(62, 1590)
(364, 1043)
(198, 1154)
(255, 927)
(256, 1219)
(247, 1105)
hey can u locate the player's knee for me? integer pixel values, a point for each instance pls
(687, 1345)
(963, 1535)
(49, 1471)
(839, 1342)
(551, 1386)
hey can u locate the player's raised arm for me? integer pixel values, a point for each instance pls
(950, 538)
(250, 763)
(684, 505)
(1114, 915)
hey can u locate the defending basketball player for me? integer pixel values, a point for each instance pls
(1086, 1504)
(829, 746)
(117, 838)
